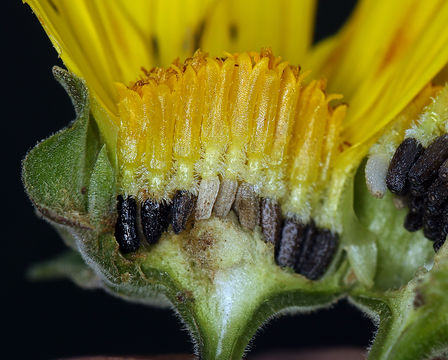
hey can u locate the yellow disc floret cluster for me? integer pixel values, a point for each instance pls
(245, 118)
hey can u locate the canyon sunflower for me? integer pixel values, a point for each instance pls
(219, 170)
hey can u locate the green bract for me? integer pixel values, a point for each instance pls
(222, 279)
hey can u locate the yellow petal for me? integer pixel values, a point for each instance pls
(387, 52)
(87, 45)
(109, 41)
(284, 25)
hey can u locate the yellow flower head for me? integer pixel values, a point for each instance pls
(231, 144)
(178, 118)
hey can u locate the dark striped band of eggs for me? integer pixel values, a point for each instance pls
(303, 247)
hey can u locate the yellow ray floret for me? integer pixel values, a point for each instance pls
(386, 53)
(105, 41)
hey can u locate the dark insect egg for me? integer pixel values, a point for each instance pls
(416, 204)
(445, 218)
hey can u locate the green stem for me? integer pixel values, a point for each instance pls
(407, 329)
(227, 337)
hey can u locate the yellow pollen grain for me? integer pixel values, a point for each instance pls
(247, 117)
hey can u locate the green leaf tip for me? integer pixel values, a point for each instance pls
(76, 88)
(56, 172)
(67, 265)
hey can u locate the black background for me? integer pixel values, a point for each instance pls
(48, 320)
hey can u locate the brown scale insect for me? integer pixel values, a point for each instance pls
(402, 161)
